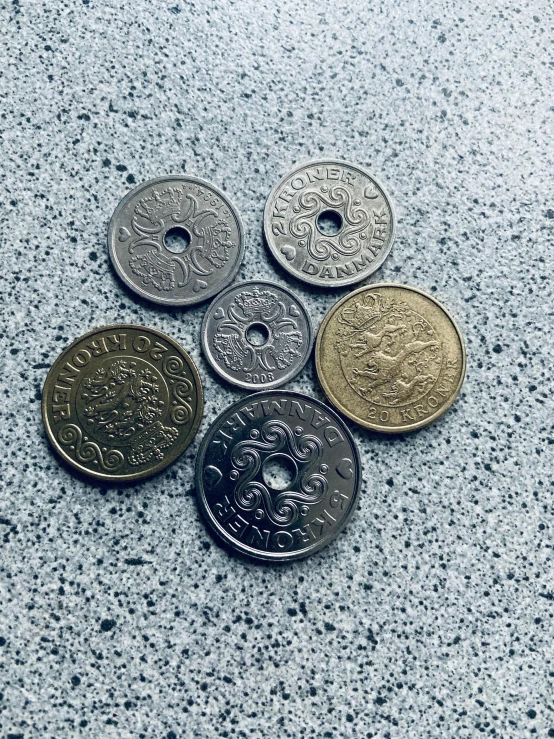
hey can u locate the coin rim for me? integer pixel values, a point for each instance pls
(346, 280)
(220, 371)
(330, 394)
(201, 297)
(222, 534)
(139, 475)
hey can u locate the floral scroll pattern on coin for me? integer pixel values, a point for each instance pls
(350, 239)
(165, 208)
(257, 306)
(88, 451)
(308, 487)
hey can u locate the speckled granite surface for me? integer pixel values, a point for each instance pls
(431, 615)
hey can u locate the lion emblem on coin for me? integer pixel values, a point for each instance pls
(389, 354)
(121, 398)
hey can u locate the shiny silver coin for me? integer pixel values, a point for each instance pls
(329, 223)
(278, 475)
(176, 240)
(257, 334)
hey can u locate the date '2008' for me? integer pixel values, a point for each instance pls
(261, 377)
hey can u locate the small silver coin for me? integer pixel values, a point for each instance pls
(257, 334)
(278, 476)
(176, 240)
(329, 223)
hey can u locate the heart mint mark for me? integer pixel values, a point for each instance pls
(370, 192)
(288, 251)
(344, 468)
(199, 285)
(212, 475)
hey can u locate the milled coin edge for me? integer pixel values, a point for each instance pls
(238, 383)
(328, 392)
(138, 290)
(283, 262)
(221, 534)
(141, 475)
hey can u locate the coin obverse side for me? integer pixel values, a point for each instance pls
(255, 510)
(360, 208)
(390, 357)
(122, 402)
(257, 334)
(139, 240)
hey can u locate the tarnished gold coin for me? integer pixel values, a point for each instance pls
(122, 402)
(390, 357)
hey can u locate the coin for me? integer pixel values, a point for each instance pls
(390, 357)
(329, 223)
(278, 475)
(257, 334)
(176, 240)
(122, 402)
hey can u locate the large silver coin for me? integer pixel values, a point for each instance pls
(257, 334)
(329, 223)
(176, 240)
(278, 475)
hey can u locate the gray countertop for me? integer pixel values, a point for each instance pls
(431, 615)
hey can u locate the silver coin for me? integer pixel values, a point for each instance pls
(278, 475)
(257, 334)
(329, 223)
(176, 240)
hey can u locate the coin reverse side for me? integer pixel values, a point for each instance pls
(390, 357)
(329, 223)
(122, 402)
(257, 334)
(244, 493)
(151, 227)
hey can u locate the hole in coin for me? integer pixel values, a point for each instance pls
(279, 472)
(177, 239)
(257, 334)
(329, 222)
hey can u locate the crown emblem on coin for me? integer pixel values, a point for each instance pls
(160, 203)
(257, 301)
(364, 312)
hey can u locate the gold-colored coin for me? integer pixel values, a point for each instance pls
(122, 402)
(390, 357)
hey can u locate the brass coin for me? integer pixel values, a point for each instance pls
(122, 402)
(390, 357)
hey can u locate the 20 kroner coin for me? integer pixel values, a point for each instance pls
(122, 402)
(390, 357)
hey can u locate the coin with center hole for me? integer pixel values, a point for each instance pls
(257, 334)
(176, 240)
(390, 357)
(122, 402)
(329, 223)
(278, 476)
